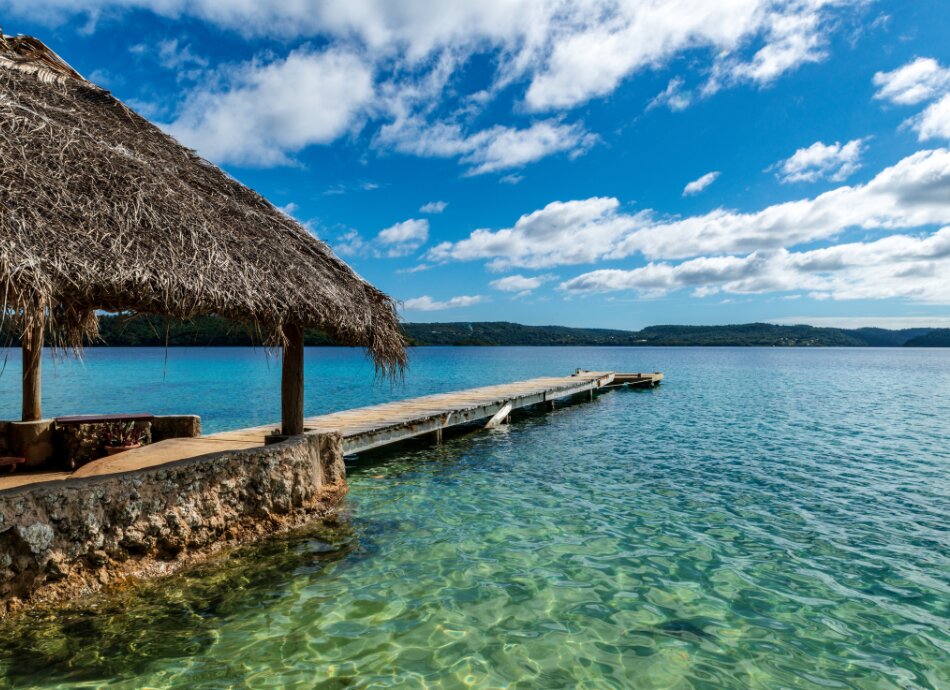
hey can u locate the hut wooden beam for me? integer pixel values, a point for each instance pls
(32, 345)
(291, 388)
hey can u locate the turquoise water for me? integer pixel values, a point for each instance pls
(768, 518)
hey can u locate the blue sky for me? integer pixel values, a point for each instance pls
(591, 163)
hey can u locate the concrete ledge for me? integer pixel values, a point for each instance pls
(65, 538)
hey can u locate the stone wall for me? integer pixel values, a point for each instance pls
(64, 538)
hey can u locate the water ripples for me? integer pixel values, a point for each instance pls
(765, 519)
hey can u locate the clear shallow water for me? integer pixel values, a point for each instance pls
(767, 518)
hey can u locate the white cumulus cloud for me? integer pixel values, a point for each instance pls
(913, 193)
(916, 82)
(919, 81)
(605, 42)
(563, 232)
(793, 36)
(567, 51)
(433, 207)
(698, 185)
(405, 237)
(674, 96)
(820, 161)
(269, 111)
(426, 303)
(519, 283)
(394, 64)
(902, 266)
(399, 239)
(934, 122)
(488, 150)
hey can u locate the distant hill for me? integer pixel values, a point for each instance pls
(937, 338)
(881, 337)
(215, 331)
(504, 333)
(750, 334)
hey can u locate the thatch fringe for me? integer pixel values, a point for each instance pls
(101, 210)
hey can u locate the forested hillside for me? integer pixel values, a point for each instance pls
(213, 331)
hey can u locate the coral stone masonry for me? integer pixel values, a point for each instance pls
(63, 538)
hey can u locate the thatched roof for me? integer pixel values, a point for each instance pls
(101, 210)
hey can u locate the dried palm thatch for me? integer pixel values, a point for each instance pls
(103, 211)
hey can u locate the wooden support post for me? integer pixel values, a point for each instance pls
(32, 346)
(550, 406)
(291, 382)
(437, 436)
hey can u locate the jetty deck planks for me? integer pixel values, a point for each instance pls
(366, 428)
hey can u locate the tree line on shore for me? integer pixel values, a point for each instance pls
(210, 331)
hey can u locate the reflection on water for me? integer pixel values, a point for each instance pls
(765, 519)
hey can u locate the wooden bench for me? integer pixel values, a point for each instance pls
(102, 419)
(11, 461)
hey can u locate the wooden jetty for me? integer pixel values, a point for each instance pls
(368, 428)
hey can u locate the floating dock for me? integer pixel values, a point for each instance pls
(368, 428)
